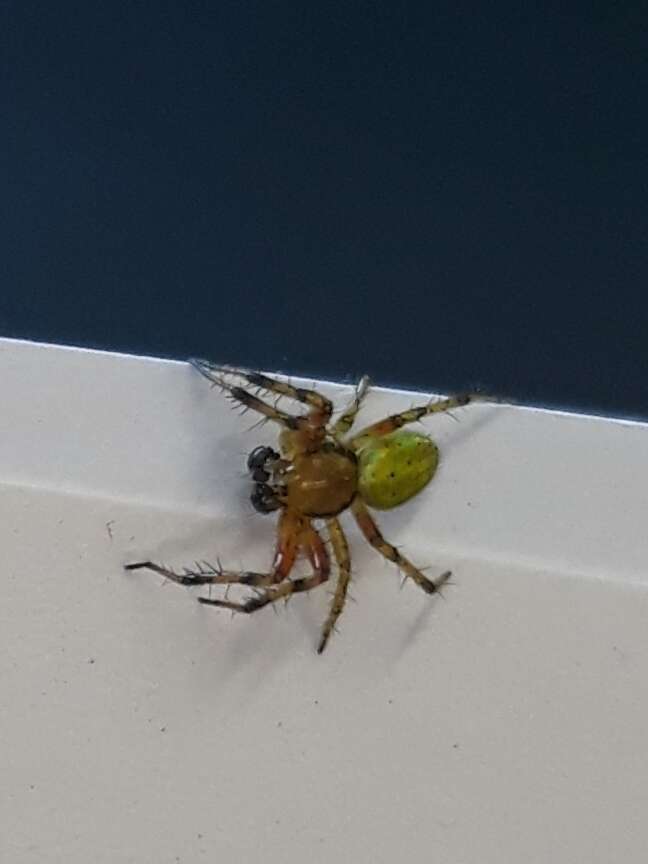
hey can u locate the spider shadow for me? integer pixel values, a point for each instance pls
(206, 538)
(471, 420)
(421, 622)
(242, 541)
(222, 465)
(248, 659)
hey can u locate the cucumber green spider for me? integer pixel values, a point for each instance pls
(319, 471)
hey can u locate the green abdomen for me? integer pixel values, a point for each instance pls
(394, 468)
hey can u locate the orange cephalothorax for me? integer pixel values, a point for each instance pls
(323, 483)
(317, 484)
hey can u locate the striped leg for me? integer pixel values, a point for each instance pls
(318, 556)
(207, 574)
(395, 421)
(321, 407)
(346, 420)
(341, 551)
(372, 534)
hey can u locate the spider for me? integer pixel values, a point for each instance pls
(319, 472)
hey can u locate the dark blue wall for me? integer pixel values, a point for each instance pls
(442, 194)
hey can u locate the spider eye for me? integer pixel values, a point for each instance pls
(263, 499)
(258, 458)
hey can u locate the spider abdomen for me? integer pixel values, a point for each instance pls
(395, 467)
(322, 483)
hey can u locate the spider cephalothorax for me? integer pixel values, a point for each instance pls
(317, 474)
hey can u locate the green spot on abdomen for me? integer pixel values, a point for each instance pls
(395, 468)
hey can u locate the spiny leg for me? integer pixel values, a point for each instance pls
(345, 422)
(372, 534)
(341, 551)
(316, 551)
(395, 421)
(320, 405)
(248, 400)
(206, 574)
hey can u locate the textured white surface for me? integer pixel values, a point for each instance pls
(505, 723)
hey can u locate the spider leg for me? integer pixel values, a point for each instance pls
(372, 533)
(321, 407)
(345, 421)
(341, 551)
(395, 421)
(206, 574)
(315, 549)
(248, 400)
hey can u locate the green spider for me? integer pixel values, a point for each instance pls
(318, 473)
